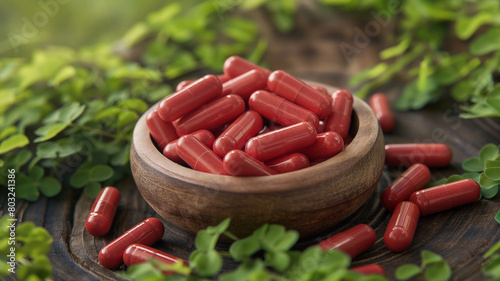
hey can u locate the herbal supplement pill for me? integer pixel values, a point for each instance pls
(238, 133)
(279, 110)
(353, 241)
(382, 109)
(161, 131)
(326, 145)
(288, 163)
(446, 196)
(190, 98)
(183, 84)
(399, 233)
(296, 91)
(103, 211)
(281, 142)
(432, 155)
(370, 269)
(212, 115)
(235, 66)
(138, 253)
(238, 163)
(245, 84)
(198, 156)
(170, 150)
(320, 89)
(413, 179)
(146, 232)
(340, 119)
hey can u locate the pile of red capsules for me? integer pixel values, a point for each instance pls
(251, 122)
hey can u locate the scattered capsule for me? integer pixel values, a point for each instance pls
(432, 155)
(238, 133)
(281, 142)
(212, 115)
(146, 232)
(327, 144)
(235, 66)
(198, 156)
(138, 253)
(370, 269)
(340, 119)
(238, 163)
(170, 150)
(401, 228)
(162, 132)
(446, 196)
(413, 179)
(279, 110)
(103, 211)
(382, 109)
(320, 89)
(245, 84)
(190, 98)
(296, 91)
(353, 241)
(288, 163)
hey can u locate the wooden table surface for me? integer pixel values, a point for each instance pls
(461, 235)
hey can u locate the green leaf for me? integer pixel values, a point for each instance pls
(50, 186)
(493, 173)
(489, 193)
(36, 173)
(415, 98)
(7, 132)
(244, 248)
(287, 241)
(454, 178)
(20, 158)
(49, 131)
(473, 164)
(136, 34)
(62, 148)
(486, 182)
(80, 178)
(396, 50)
(497, 217)
(220, 228)
(439, 271)
(429, 257)
(278, 260)
(100, 173)
(92, 189)
(492, 268)
(26, 188)
(126, 117)
(13, 142)
(439, 182)
(487, 42)
(205, 241)
(407, 271)
(64, 74)
(472, 176)
(465, 27)
(134, 104)
(207, 264)
(71, 112)
(369, 73)
(488, 152)
(164, 16)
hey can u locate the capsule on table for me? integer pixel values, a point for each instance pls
(446, 196)
(238, 163)
(340, 119)
(370, 269)
(326, 145)
(238, 133)
(190, 98)
(235, 66)
(281, 142)
(198, 156)
(432, 155)
(170, 150)
(212, 115)
(353, 241)
(320, 89)
(162, 132)
(296, 91)
(245, 84)
(382, 109)
(146, 232)
(279, 110)
(138, 253)
(401, 228)
(288, 163)
(413, 179)
(103, 211)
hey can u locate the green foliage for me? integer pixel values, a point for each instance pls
(433, 267)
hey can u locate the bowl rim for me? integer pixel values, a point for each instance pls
(144, 148)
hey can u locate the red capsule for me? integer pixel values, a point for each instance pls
(235, 66)
(296, 91)
(281, 142)
(137, 253)
(103, 211)
(382, 109)
(370, 269)
(446, 196)
(288, 163)
(245, 84)
(347, 140)
(320, 89)
(183, 84)
(161, 131)
(340, 119)
(190, 98)
(401, 228)
(413, 179)
(321, 126)
(198, 156)
(238, 133)
(238, 163)
(353, 241)
(326, 145)
(432, 155)
(212, 115)
(279, 110)
(170, 150)
(146, 232)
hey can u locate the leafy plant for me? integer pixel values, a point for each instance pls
(433, 268)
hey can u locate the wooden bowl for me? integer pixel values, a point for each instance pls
(310, 200)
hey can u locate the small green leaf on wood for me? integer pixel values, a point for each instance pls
(439, 271)
(80, 178)
(492, 268)
(497, 217)
(92, 189)
(489, 193)
(100, 173)
(486, 182)
(407, 271)
(50, 186)
(488, 152)
(429, 257)
(493, 173)
(473, 164)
